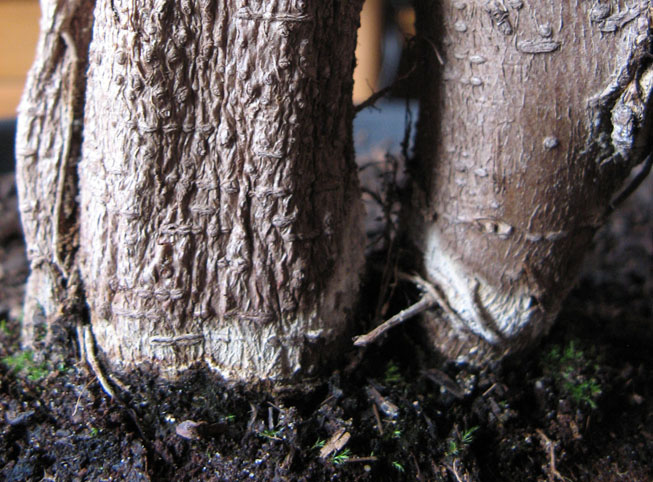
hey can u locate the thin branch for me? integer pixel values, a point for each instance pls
(422, 305)
(371, 100)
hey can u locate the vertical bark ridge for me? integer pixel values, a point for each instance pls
(220, 215)
(536, 118)
(47, 152)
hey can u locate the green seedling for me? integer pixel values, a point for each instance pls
(23, 362)
(272, 434)
(397, 466)
(3, 327)
(230, 418)
(572, 369)
(318, 444)
(94, 432)
(584, 392)
(463, 440)
(392, 374)
(341, 457)
(452, 449)
(468, 435)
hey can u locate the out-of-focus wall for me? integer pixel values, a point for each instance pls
(368, 50)
(385, 26)
(19, 29)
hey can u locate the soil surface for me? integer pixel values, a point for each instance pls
(577, 407)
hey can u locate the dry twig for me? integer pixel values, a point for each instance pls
(422, 305)
(430, 298)
(550, 447)
(337, 441)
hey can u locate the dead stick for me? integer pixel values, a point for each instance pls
(431, 290)
(378, 419)
(550, 446)
(353, 460)
(422, 305)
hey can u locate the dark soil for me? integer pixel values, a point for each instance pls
(578, 407)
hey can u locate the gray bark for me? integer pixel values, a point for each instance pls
(219, 215)
(526, 132)
(48, 144)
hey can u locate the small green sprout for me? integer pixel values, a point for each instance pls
(230, 418)
(392, 374)
(94, 432)
(318, 444)
(23, 361)
(3, 327)
(396, 433)
(272, 434)
(584, 392)
(341, 457)
(468, 435)
(572, 371)
(397, 466)
(463, 440)
(452, 449)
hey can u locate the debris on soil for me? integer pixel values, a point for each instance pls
(579, 407)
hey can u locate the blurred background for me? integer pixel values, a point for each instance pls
(19, 29)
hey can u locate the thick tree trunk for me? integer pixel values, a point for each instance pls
(219, 216)
(535, 119)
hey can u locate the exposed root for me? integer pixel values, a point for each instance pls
(91, 359)
(87, 353)
(355, 460)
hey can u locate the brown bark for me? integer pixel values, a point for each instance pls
(534, 121)
(219, 216)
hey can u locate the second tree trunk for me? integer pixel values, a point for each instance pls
(533, 122)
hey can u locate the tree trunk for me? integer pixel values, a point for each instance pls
(219, 215)
(534, 121)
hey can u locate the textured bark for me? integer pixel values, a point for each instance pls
(536, 118)
(219, 215)
(47, 148)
